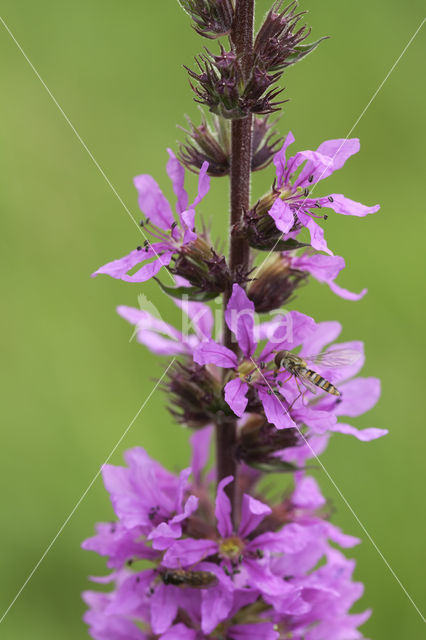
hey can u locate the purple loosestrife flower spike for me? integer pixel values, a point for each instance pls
(204, 554)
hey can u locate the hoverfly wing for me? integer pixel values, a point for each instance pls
(335, 358)
(308, 384)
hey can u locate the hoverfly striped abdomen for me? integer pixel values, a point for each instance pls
(320, 382)
(298, 368)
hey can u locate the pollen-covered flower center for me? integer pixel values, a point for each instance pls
(231, 548)
(248, 372)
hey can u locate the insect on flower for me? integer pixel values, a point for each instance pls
(298, 367)
(188, 578)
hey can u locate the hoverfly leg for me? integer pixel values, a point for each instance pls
(301, 393)
(287, 379)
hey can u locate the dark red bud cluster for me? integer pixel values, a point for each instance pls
(211, 18)
(259, 443)
(220, 83)
(274, 284)
(195, 396)
(278, 43)
(211, 142)
(206, 270)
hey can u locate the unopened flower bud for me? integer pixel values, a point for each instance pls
(205, 270)
(195, 396)
(222, 87)
(211, 142)
(211, 18)
(259, 444)
(274, 284)
(278, 43)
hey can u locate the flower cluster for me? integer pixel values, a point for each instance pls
(290, 207)
(222, 82)
(169, 239)
(180, 569)
(207, 554)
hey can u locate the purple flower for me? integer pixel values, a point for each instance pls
(169, 236)
(270, 558)
(320, 411)
(324, 269)
(143, 495)
(294, 208)
(248, 373)
(161, 337)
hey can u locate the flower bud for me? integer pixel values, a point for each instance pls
(194, 394)
(277, 44)
(198, 263)
(262, 232)
(211, 18)
(259, 443)
(211, 142)
(222, 87)
(274, 284)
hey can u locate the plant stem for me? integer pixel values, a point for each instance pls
(239, 253)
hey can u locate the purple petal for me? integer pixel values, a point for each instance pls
(179, 632)
(164, 606)
(323, 334)
(322, 268)
(152, 201)
(275, 411)
(235, 395)
(151, 269)
(282, 215)
(160, 345)
(149, 328)
(317, 234)
(176, 173)
(318, 166)
(364, 435)
(348, 207)
(254, 631)
(215, 607)
(318, 421)
(120, 267)
(265, 581)
(345, 293)
(252, 513)
(358, 396)
(200, 446)
(293, 538)
(203, 184)
(342, 539)
(188, 221)
(187, 552)
(330, 156)
(239, 316)
(307, 494)
(200, 315)
(290, 331)
(340, 150)
(280, 160)
(223, 509)
(210, 352)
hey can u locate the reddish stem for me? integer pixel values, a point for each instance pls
(239, 253)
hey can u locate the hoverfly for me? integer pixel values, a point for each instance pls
(298, 367)
(188, 578)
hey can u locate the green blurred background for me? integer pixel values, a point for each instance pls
(72, 382)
